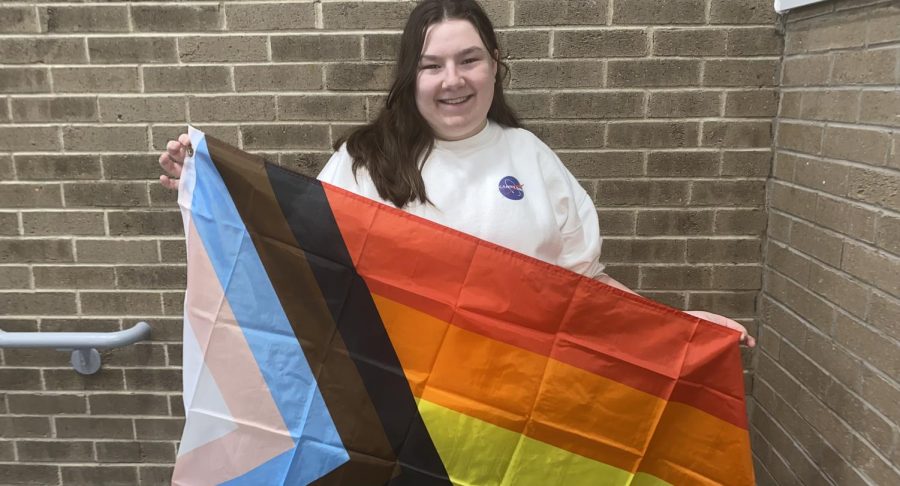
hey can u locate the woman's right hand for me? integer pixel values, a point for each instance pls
(173, 159)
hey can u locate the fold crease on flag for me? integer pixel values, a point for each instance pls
(330, 339)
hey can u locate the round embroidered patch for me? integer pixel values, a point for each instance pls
(511, 188)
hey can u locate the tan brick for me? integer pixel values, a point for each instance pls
(31, 427)
(18, 20)
(139, 354)
(561, 12)
(525, 105)
(763, 103)
(316, 47)
(689, 42)
(828, 32)
(800, 137)
(745, 134)
(788, 262)
(74, 108)
(89, 324)
(15, 277)
(232, 108)
(37, 303)
(80, 277)
(880, 107)
(821, 175)
(128, 404)
(570, 134)
(742, 73)
(277, 77)
(794, 200)
(882, 394)
(19, 378)
(177, 18)
(653, 72)
(888, 233)
(186, 78)
(96, 79)
(35, 251)
(676, 277)
(30, 195)
(746, 163)
(741, 12)
(723, 251)
(649, 251)
(104, 474)
(159, 428)
(652, 12)
(24, 80)
(732, 304)
(556, 74)
(63, 223)
(755, 41)
(22, 138)
(842, 291)
(740, 222)
(830, 105)
(285, 136)
(149, 379)
(616, 222)
(50, 167)
(155, 475)
(652, 134)
(94, 18)
(120, 303)
(874, 267)
(162, 197)
(270, 16)
(603, 164)
(816, 242)
(130, 166)
(144, 109)
(159, 452)
(150, 277)
(682, 164)
(386, 47)
(600, 43)
(130, 50)
(597, 105)
(680, 104)
(865, 67)
(643, 192)
(46, 404)
(30, 474)
(858, 145)
(514, 45)
(875, 187)
(322, 107)
(358, 15)
(105, 139)
(38, 50)
(144, 223)
(806, 71)
(734, 277)
(307, 163)
(790, 104)
(882, 27)
(116, 251)
(358, 76)
(173, 303)
(243, 48)
(47, 451)
(841, 216)
(864, 341)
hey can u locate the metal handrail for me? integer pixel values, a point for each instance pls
(83, 345)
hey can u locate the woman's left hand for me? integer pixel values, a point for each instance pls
(724, 321)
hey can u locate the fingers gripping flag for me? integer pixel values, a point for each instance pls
(330, 339)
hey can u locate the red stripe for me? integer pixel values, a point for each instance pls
(525, 302)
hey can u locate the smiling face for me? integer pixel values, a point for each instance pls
(455, 81)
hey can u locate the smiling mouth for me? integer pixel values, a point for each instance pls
(456, 101)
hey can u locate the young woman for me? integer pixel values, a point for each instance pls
(448, 148)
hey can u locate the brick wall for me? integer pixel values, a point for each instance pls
(662, 109)
(826, 383)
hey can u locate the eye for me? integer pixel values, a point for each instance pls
(471, 60)
(429, 67)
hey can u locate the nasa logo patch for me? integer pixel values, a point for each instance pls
(511, 188)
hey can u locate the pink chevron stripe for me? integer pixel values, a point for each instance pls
(261, 433)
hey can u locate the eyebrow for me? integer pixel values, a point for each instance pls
(469, 50)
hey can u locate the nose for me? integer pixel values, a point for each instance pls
(452, 77)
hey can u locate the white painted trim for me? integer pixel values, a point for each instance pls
(782, 6)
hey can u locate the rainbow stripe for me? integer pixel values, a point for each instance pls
(335, 340)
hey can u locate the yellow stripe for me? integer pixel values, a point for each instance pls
(476, 452)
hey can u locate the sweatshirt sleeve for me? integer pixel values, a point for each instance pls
(581, 234)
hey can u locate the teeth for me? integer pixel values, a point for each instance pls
(455, 101)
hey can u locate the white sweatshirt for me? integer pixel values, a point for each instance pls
(502, 185)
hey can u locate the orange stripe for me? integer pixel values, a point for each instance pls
(524, 302)
(559, 404)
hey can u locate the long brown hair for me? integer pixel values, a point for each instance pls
(393, 146)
